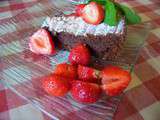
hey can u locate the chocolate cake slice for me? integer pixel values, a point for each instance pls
(104, 41)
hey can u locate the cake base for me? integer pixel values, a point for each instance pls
(104, 41)
(104, 47)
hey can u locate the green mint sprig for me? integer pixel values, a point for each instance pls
(130, 15)
(102, 2)
(111, 14)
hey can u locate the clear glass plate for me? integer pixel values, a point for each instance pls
(22, 70)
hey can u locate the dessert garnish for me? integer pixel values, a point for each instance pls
(93, 13)
(41, 42)
(66, 70)
(113, 12)
(85, 83)
(85, 92)
(88, 74)
(79, 54)
(114, 80)
(56, 85)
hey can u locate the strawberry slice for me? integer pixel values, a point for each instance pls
(88, 74)
(85, 92)
(93, 13)
(79, 9)
(41, 42)
(79, 55)
(114, 80)
(55, 85)
(66, 70)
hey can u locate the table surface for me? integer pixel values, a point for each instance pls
(141, 100)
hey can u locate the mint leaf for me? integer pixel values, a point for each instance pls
(102, 2)
(79, 2)
(110, 14)
(131, 16)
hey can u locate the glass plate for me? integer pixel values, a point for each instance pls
(22, 70)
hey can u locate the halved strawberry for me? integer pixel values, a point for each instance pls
(66, 70)
(79, 55)
(56, 85)
(93, 13)
(85, 92)
(41, 43)
(114, 80)
(79, 9)
(88, 74)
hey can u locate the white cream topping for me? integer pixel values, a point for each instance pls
(77, 26)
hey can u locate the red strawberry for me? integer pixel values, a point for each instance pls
(88, 74)
(114, 80)
(93, 13)
(66, 70)
(55, 85)
(41, 42)
(80, 55)
(79, 9)
(85, 92)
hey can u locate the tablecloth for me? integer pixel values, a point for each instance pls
(141, 100)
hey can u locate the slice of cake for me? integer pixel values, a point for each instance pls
(103, 40)
(101, 26)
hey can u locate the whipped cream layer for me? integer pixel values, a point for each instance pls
(77, 26)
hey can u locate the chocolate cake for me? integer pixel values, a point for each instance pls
(104, 41)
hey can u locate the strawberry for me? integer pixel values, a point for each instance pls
(93, 13)
(66, 70)
(79, 55)
(114, 80)
(41, 43)
(88, 74)
(85, 92)
(79, 9)
(55, 85)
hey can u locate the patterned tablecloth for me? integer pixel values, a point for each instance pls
(141, 101)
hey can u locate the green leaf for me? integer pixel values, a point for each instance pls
(110, 14)
(102, 2)
(131, 16)
(80, 2)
